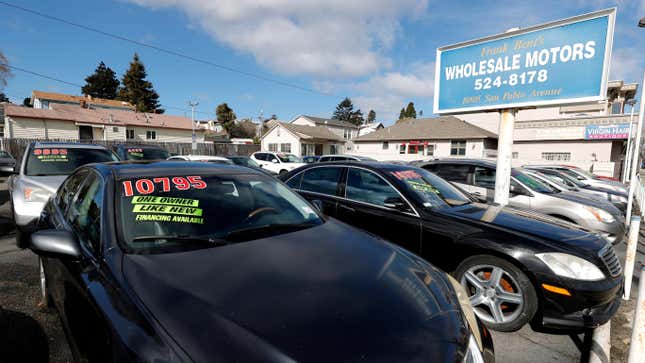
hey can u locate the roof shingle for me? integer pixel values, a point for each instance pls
(440, 128)
(311, 132)
(331, 122)
(77, 99)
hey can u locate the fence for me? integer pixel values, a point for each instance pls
(16, 147)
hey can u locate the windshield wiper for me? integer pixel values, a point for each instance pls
(238, 234)
(202, 240)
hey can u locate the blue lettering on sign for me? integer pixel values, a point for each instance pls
(605, 132)
(553, 64)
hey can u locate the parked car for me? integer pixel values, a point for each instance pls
(201, 158)
(517, 266)
(310, 159)
(586, 177)
(327, 158)
(199, 262)
(618, 199)
(478, 178)
(7, 163)
(140, 152)
(249, 163)
(277, 162)
(44, 167)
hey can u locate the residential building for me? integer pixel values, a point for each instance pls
(346, 130)
(73, 122)
(414, 139)
(365, 129)
(43, 100)
(301, 139)
(590, 135)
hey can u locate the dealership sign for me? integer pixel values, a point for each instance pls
(566, 61)
(606, 132)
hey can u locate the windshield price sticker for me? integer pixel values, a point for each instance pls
(167, 209)
(422, 187)
(136, 152)
(406, 174)
(49, 155)
(162, 184)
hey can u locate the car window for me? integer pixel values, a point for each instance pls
(365, 186)
(457, 173)
(294, 182)
(138, 153)
(43, 161)
(84, 214)
(4, 154)
(67, 191)
(324, 158)
(484, 177)
(260, 156)
(321, 180)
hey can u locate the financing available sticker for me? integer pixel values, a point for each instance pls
(167, 209)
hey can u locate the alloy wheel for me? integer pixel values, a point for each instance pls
(494, 294)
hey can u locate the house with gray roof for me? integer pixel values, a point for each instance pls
(343, 129)
(301, 139)
(414, 139)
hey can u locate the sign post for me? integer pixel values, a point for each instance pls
(562, 62)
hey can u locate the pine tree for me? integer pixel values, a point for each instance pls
(102, 83)
(410, 112)
(371, 117)
(5, 71)
(226, 117)
(3, 97)
(345, 112)
(402, 114)
(137, 90)
(27, 102)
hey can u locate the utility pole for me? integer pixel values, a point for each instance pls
(192, 122)
(630, 140)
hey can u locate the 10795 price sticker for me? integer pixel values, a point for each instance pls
(162, 184)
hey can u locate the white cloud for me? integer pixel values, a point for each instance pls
(311, 37)
(626, 65)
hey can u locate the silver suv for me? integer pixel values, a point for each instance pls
(45, 165)
(478, 178)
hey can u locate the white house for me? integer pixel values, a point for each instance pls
(301, 139)
(343, 129)
(73, 122)
(43, 100)
(415, 139)
(369, 128)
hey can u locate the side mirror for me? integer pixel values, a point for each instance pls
(514, 190)
(55, 243)
(395, 203)
(275, 161)
(318, 204)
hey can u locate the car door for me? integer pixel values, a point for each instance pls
(367, 195)
(320, 183)
(80, 280)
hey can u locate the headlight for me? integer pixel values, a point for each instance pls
(570, 266)
(601, 215)
(473, 355)
(33, 194)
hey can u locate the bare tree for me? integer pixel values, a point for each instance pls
(5, 71)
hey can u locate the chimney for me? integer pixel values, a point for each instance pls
(83, 104)
(110, 118)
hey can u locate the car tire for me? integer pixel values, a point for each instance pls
(506, 304)
(22, 238)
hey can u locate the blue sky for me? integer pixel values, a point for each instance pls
(378, 52)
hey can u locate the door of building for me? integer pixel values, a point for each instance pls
(318, 149)
(85, 132)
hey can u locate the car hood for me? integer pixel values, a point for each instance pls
(586, 199)
(528, 223)
(49, 183)
(324, 294)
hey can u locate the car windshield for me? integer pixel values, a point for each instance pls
(553, 179)
(430, 189)
(289, 158)
(139, 153)
(176, 213)
(62, 160)
(245, 162)
(4, 154)
(534, 183)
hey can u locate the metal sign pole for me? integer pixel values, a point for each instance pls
(504, 156)
(636, 154)
(628, 155)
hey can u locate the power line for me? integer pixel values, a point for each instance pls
(79, 86)
(165, 50)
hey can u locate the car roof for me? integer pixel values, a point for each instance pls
(368, 164)
(69, 145)
(461, 161)
(145, 168)
(199, 157)
(132, 146)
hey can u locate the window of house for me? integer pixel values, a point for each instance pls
(151, 135)
(333, 149)
(402, 149)
(273, 147)
(430, 151)
(285, 148)
(458, 147)
(347, 134)
(515, 155)
(556, 156)
(385, 145)
(416, 149)
(129, 134)
(616, 108)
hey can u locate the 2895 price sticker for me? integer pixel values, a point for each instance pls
(162, 184)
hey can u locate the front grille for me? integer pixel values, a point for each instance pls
(608, 256)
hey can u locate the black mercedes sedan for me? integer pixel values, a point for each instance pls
(517, 266)
(163, 261)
